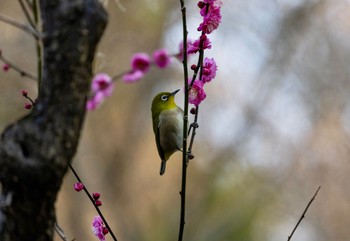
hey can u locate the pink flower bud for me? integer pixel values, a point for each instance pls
(193, 111)
(96, 195)
(201, 4)
(24, 93)
(105, 231)
(78, 186)
(98, 203)
(28, 106)
(193, 66)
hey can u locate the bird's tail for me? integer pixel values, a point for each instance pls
(162, 166)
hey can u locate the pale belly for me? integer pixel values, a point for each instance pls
(170, 131)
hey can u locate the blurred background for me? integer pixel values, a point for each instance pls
(274, 127)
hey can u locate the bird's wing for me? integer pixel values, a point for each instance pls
(159, 147)
(160, 150)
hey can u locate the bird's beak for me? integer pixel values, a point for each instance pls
(174, 93)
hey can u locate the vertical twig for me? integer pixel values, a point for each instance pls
(303, 215)
(26, 13)
(185, 124)
(36, 14)
(193, 126)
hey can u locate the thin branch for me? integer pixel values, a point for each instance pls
(29, 3)
(60, 232)
(303, 215)
(93, 202)
(26, 13)
(185, 124)
(17, 68)
(193, 127)
(35, 9)
(20, 26)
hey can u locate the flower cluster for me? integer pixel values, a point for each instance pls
(96, 197)
(98, 228)
(141, 63)
(102, 83)
(210, 11)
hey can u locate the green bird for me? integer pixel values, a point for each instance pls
(167, 126)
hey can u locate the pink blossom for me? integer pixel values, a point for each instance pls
(133, 76)
(98, 202)
(102, 83)
(140, 61)
(78, 186)
(140, 64)
(95, 101)
(211, 21)
(98, 228)
(210, 10)
(209, 70)
(179, 56)
(102, 87)
(195, 46)
(213, 3)
(161, 58)
(196, 94)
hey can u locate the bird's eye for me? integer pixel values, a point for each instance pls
(164, 97)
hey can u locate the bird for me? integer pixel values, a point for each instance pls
(167, 126)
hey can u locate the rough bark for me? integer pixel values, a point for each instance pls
(36, 150)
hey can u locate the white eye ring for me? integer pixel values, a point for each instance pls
(164, 97)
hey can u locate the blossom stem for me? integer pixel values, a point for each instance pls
(199, 63)
(30, 99)
(118, 76)
(93, 202)
(185, 124)
(193, 134)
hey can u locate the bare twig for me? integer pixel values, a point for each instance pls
(17, 68)
(185, 124)
(303, 215)
(21, 26)
(29, 3)
(36, 13)
(193, 127)
(26, 13)
(60, 232)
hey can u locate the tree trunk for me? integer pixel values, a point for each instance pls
(36, 150)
